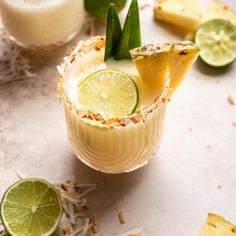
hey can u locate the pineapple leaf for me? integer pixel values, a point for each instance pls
(131, 35)
(113, 32)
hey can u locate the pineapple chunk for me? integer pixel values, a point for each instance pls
(154, 61)
(183, 55)
(216, 225)
(218, 10)
(184, 13)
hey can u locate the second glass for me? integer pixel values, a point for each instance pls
(42, 25)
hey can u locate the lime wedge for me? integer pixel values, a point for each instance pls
(109, 93)
(31, 207)
(217, 39)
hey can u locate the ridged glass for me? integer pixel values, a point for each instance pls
(117, 149)
(113, 147)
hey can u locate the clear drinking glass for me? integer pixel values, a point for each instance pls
(125, 144)
(42, 24)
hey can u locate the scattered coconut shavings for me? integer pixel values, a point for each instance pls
(13, 65)
(19, 175)
(219, 186)
(144, 6)
(121, 216)
(76, 220)
(230, 100)
(134, 232)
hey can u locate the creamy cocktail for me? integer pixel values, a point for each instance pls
(115, 144)
(42, 24)
(115, 100)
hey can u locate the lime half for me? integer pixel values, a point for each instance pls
(31, 207)
(109, 93)
(217, 39)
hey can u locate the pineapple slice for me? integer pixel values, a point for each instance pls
(218, 10)
(184, 13)
(146, 59)
(153, 62)
(216, 225)
(183, 55)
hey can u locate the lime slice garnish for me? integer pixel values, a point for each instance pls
(217, 39)
(31, 206)
(109, 93)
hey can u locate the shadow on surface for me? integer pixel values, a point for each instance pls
(212, 71)
(112, 189)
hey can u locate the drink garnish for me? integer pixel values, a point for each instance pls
(121, 42)
(113, 32)
(156, 61)
(109, 93)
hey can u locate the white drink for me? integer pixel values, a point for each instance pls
(42, 23)
(112, 148)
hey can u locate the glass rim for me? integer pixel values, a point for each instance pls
(80, 50)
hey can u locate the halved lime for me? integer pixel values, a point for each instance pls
(109, 93)
(31, 207)
(217, 39)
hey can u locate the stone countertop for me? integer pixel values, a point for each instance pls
(193, 172)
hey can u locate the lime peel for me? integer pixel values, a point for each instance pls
(37, 207)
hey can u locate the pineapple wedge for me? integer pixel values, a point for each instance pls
(154, 61)
(184, 13)
(216, 225)
(146, 60)
(218, 10)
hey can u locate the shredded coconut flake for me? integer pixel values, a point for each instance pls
(76, 220)
(13, 65)
(121, 216)
(133, 232)
(230, 100)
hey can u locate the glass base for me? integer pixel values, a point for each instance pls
(116, 150)
(46, 49)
